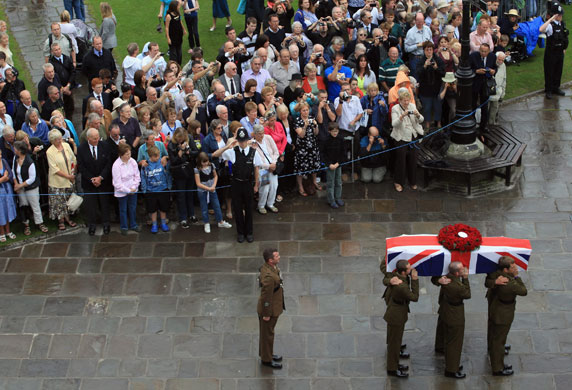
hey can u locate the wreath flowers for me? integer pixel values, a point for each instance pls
(459, 237)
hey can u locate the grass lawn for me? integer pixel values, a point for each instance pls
(19, 62)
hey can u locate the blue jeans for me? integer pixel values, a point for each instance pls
(127, 211)
(213, 200)
(432, 108)
(185, 197)
(334, 185)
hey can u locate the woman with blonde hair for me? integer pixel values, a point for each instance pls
(61, 178)
(108, 26)
(268, 101)
(5, 48)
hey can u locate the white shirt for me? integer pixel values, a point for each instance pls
(93, 150)
(31, 173)
(350, 110)
(130, 66)
(229, 155)
(229, 82)
(157, 68)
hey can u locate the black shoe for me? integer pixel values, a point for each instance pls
(506, 351)
(403, 367)
(508, 366)
(559, 92)
(240, 238)
(274, 365)
(249, 238)
(277, 358)
(398, 373)
(460, 368)
(505, 372)
(548, 95)
(193, 219)
(403, 355)
(507, 346)
(91, 230)
(456, 375)
(184, 224)
(484, 129)
(403, 346)
(106, 229)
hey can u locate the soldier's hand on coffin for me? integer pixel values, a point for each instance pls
(395, 281)
(443, 280)
(501, 280)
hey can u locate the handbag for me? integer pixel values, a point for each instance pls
(241, 9)
(74, 202)
(491, 86)
(264, 179)
(279, 167)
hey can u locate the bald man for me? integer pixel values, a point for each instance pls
(94, 164)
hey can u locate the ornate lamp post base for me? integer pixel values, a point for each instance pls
(466, 151)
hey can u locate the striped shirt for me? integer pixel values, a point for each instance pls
(388, 71)
(248, 41)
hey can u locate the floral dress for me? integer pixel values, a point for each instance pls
(306, 154)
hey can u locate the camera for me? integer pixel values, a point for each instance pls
(41, 147)
(352, 24)
(318, 55)
(444, 49)
(321, 24)
(346, 97)
(410, 112)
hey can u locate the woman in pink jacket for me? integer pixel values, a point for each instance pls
(126, 180)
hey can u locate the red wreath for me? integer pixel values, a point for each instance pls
(450, 239)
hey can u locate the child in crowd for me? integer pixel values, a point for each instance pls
(126, 180)
(333, 156)
(155, 180)
(206, 179)
(155, 124)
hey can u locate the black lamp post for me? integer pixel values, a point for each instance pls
(464, 131)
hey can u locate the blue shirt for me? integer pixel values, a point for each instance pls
(154, 177)
(41, 131)
(333, 87)
(245, 122)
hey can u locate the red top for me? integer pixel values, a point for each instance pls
(278, 135)
(308, 89)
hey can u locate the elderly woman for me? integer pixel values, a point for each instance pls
(7, 142)
(183, 154)
(148, 141)
(312, 83)
(5, 119)
(35, 126)
(61, 178)
(285, 143)
(27, 186)
(306, 154)
(374, 106)
(268, 154)
(144, 116)
(57, 122)
(251, 118)
(298, 37)
(500, 78)
(406, 122)
(67, 125)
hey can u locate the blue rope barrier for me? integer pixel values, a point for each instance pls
(411, 143)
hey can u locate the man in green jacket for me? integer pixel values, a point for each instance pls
(452, 312)
(501, 312)
(398, 297)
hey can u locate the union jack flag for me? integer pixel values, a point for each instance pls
(430, 258)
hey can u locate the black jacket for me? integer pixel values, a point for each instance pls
(106, 102)
(477, 63)
(92, 64)
(50, 107)
(24, 172)
(182, 167)
(429, 78)
(20, 114)
(43, 86)
(11, 91)
(65, 70)
(88, 167)
(333, 150)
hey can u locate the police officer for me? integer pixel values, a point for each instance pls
(452, 312)
(245, 164)
(391, 279)
(270, 306)
(556, 44)
(396, 315)
(501, 312)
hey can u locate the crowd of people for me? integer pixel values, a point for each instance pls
(307, 90)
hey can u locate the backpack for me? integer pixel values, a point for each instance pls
(51, 39)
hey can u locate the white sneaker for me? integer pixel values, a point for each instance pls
(224, 224)
(207, 228)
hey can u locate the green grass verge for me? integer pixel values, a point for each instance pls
(19, 63)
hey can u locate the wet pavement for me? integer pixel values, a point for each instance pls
(178, 310)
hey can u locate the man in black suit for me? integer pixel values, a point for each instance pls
(112, 142)
(50, 78)
(94, 164)
(96, 59)
(98, 94)
(53, 103)
(25, 104)
(63, 66)
(484, 64)
(195, 111)
(230, 79)
(366, 19)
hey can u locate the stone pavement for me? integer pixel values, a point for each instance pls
(178, 310)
